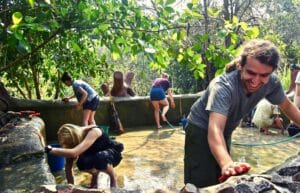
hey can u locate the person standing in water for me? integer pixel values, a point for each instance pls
(228, 98)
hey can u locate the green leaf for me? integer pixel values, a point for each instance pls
(174, 36)
(195, 2)
(222, 33)
(29, 19)
(160, 59)
(18, 35)
(197, 58)
(17, 18)
(190, 52)
(182, 34)
(23, 44)
(190, 5)
(14, 27)
(192, 13)
(244, 25)
(115, 56)
(169, 9)
(252, 32)
(76, 47)
(120, 40)
(170, 2)
(197, 46)
(125, 2)
(31, 3)
(213, 13)
(103, 27)
(48, 2)
(234, 38)
(235, 20)
(179, 57)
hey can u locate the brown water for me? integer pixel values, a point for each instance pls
(154, 159)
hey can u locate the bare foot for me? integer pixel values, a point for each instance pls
(158, 127)
(121, 130)
(163, 117)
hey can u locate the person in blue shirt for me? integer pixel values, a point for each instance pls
(87, 98)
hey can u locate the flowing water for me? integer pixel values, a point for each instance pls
(153, 159)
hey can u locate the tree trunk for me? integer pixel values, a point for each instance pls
(228, 18)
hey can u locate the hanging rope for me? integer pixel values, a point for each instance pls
(267, 144)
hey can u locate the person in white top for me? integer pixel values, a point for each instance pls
(267, 116)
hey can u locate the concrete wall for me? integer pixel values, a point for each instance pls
(133, 111)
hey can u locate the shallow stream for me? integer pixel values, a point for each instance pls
(153, 159)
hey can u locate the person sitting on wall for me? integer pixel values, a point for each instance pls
(92, 148)
(267, 116)
(128, 79)
(120, 89)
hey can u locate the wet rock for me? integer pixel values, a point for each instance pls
(296, 177)
(77, 189)
(23, 165)
(282, 179)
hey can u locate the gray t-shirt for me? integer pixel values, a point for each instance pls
(85, 86)
(225, 95)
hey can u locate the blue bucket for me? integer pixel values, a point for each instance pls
(105, 128)
(183, 122)
(56, 163)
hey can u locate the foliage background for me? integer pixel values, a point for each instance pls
(192, 40)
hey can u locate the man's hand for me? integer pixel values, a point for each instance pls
(233, 169)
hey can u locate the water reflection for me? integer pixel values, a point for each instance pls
(154, 159)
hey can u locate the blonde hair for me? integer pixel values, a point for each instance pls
(70, 135)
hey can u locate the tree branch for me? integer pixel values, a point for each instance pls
(34, 51)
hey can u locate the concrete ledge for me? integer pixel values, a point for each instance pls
(133, 111)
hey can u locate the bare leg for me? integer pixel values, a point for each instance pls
(86, 116)
(94, 182)
(278, 122)
(166, 106)
(112, 175)
(156, 113)
(92, 118)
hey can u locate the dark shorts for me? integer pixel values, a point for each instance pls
(157, 94)
(200, 166)
(99, 160)
(92, 105)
